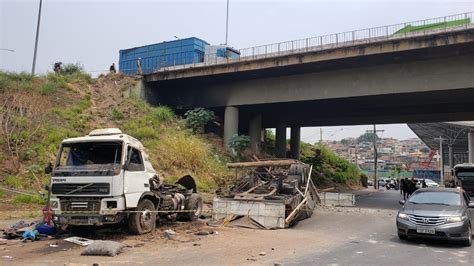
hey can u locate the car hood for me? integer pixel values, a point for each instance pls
(432, 210)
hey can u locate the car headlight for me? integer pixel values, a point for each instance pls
(402, 216)
(455, 219)
(54, 204)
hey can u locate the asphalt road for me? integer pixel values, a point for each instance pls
(362, 235)
(373, 240)
(383, 199)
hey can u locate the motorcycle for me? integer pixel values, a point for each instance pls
(391, 185)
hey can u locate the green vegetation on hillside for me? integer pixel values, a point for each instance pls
(37, 113)
(329, 164)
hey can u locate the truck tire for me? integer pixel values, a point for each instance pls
(194, 203)
(144, 220)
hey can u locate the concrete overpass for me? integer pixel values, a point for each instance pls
(419, 77)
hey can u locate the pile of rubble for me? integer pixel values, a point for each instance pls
(271, 194)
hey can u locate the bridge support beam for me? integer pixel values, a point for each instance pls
(470, 141)
(280, 140)
(295, 142)
(231, 124)
(255, 133)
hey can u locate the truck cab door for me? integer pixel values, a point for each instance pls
(135, 178)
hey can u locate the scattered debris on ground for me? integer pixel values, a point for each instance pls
(272, 194)
(103, 248)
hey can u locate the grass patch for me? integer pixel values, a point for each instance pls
(163, 113)
(49, 88)
(12, 181)
(28, 199)
(116, 114)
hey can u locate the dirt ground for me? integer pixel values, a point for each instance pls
(221, 245)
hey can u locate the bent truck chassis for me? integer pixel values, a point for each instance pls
(272, 194)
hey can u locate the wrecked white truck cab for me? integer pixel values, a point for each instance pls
(106, 177)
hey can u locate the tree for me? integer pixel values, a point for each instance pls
(238, 143)
(367, 137)
(425, 150)
(197, 118)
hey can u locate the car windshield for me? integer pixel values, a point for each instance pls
(90, 153)
(436, 197)
(465, 175)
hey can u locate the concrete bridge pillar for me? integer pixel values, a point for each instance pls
(280, 140)
(451, 156)
(255, 133)
(231, 123)
(295, 142)
(470, 141)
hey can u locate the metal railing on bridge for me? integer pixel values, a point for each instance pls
(324, 42)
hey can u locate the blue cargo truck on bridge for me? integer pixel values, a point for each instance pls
(156, 56)
(172, 53)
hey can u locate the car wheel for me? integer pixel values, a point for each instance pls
(402, 237)
(468, 241)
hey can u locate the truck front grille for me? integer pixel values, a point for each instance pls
(80, 205)
(80, 188)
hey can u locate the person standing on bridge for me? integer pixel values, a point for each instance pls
(112, 69)
(139, 67)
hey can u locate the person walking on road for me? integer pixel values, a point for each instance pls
(402, 187)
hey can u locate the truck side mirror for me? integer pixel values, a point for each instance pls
(48, 169)
(46, 187)
(401, 202)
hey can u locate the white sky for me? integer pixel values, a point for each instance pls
(92, 32)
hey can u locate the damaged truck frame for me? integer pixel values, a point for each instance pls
(270, 194)
(106, 178)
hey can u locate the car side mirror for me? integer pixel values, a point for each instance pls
(46, 187)
(48, 169)
(401, 202)
(471, 205)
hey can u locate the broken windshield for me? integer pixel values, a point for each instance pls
(90, 153)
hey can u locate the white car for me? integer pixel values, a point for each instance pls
(429, 183)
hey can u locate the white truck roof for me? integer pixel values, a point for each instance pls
(464, 165)
(107, 134)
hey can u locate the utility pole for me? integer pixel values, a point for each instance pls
(227, 23)
(441, 160)
(320, 135)
(36, 40)
(374, 131)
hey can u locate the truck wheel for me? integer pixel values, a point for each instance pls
(144, 220)
(194, 203)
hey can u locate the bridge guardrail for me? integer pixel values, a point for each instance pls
(336, 40)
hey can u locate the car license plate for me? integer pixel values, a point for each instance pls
(425, 230)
